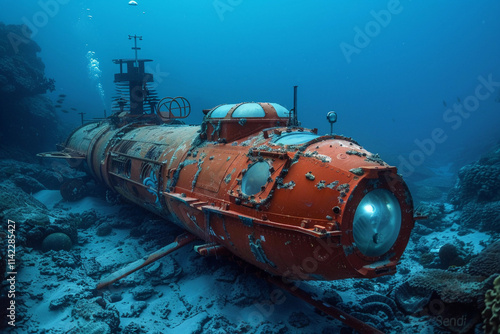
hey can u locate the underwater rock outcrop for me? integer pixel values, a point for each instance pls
(434, 213)
(17, 181)
(32, 177)
(95, 313)
(57, 241)
(449, 255)
(28, 119)
(482, 215)
(487, 262)
(477, 193)
(478, 182)
(21, 70)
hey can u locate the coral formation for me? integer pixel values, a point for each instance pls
(434, 213)
(491, 313)
(57, 241)
(449, 256)
(482, 216)
(444, 295)
(487, 262)
(479, 183)
(481, 180)
(376, 310)
(451, 287)
(411, 300)
(477, 193)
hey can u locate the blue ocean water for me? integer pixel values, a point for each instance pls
(416, 81)
(386, 67)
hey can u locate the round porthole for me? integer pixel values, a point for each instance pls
(255, 177)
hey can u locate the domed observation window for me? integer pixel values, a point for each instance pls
(221, 111)
(249, 110)
(377, 222)
(280, 110)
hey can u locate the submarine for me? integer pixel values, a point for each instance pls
(249, 181)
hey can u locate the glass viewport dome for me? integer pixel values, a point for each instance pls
(377, 222)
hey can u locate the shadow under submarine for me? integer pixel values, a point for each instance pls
(248, 181)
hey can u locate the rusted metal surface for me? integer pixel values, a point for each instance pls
(297, 222)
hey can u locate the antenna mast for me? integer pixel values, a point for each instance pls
(135, 48)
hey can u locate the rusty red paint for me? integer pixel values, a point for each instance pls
(295, 225)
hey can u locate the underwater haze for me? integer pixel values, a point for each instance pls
(417, 82)
(394, 71)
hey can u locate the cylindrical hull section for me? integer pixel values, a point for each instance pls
(297, 224)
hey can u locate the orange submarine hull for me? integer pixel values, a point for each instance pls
(282, 198)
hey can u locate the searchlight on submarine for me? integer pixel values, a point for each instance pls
(249, 182)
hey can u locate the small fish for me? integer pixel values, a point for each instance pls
(58, 106)
(62, 95)
(60, 101)
(458, 99)
(74, 109)
(64, 111)
(444, 103)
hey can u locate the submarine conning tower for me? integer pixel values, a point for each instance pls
(134, 87)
